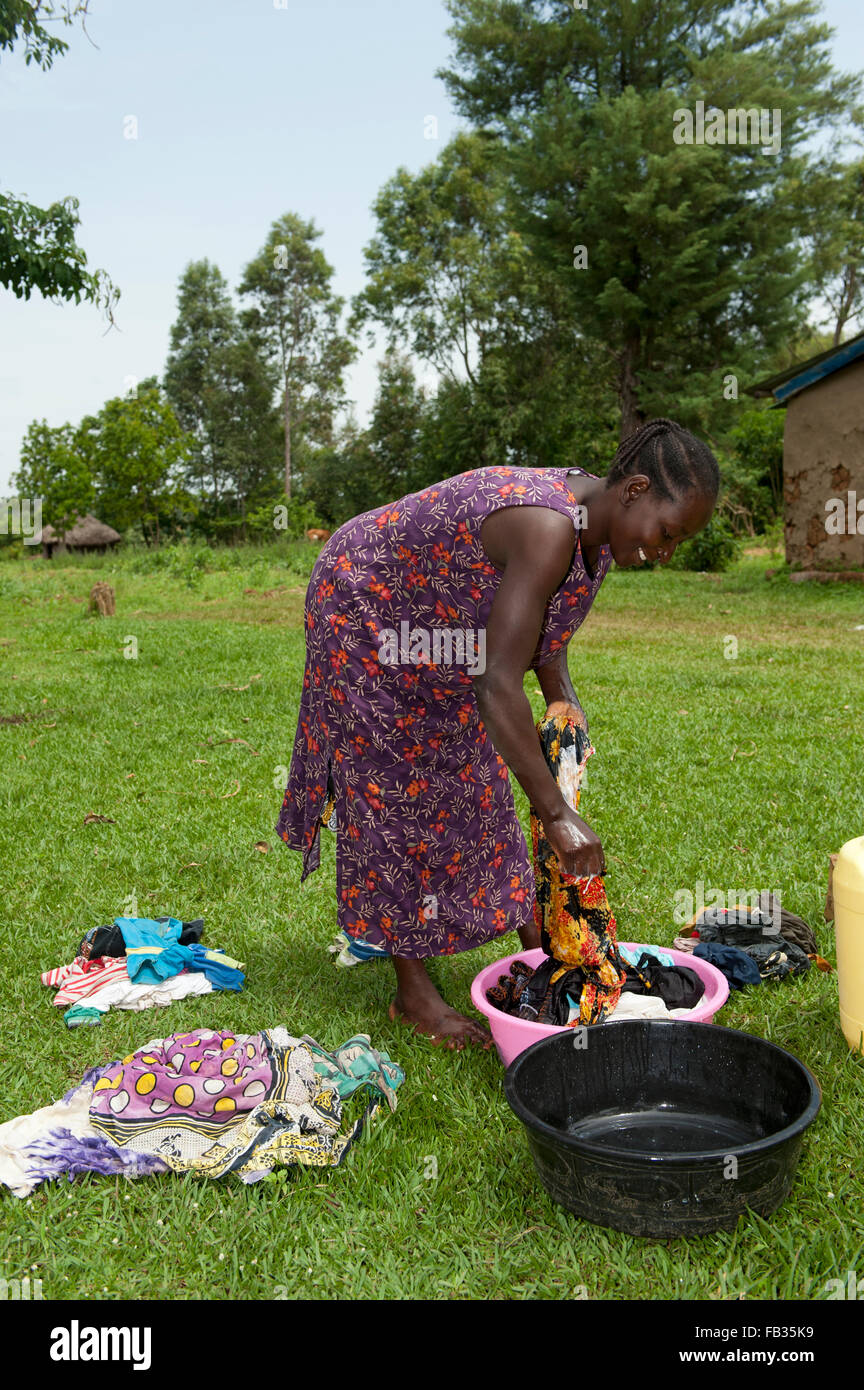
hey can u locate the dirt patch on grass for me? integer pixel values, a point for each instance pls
(29, 717)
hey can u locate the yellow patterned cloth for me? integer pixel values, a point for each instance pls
(213, 1103)
(577, 927)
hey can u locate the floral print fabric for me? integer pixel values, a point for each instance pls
(430, 856)
(577, 929)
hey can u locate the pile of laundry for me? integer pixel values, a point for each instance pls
(652, 986)
(750, 944)
(587, 975)
(204, 1102)
(139, 963)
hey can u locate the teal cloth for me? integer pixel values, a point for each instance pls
(82, 1016)
(156, 951)
(632, 957)
(356, 1064)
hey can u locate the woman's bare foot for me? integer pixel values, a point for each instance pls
(418, 1002)
(529, 935)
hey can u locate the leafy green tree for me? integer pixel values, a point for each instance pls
(451, 279)
(837, 240)
(53, 467)
(137, 454)
(753, 476)
(682, 261)
(223, 389)
(38, 250)
(296, 316)
(447, 273)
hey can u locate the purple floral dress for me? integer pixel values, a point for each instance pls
(430, 856)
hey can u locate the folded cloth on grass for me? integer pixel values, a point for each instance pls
(82, 978)
(82, 1016)
(153, 950)
(203, 1102)
(51, 1141)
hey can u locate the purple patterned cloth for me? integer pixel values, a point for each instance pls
(430, 856)
(205, 1075)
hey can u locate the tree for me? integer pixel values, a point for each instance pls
(53, 468)
(222, 388)
(137, 453)
(38, 249)
(451, 279)
(366, 468)
(447, 273)
(295, 315)
(753, 477)
(837, 240)
(683, 261)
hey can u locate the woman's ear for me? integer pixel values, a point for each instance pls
(634, 486)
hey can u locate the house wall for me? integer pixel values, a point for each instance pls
(823, 458)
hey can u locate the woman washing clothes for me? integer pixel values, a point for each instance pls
(422, 618)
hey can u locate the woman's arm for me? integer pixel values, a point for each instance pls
(558, 690)
(534, 547)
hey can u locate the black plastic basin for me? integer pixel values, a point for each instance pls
(663, 1128)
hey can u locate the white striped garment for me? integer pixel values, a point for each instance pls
(84, 977)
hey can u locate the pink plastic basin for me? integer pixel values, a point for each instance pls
(512, 1035)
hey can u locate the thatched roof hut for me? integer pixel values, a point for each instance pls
(88, 533)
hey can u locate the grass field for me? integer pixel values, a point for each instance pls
(739, 771)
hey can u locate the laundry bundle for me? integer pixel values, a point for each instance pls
(203, 1102)
(139, 963)
(586, 974)
(751, 944)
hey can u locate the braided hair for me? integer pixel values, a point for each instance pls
(673, 458)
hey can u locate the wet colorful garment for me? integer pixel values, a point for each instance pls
(430, 856)
(577, 928)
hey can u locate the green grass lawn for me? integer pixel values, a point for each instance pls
(741, 772)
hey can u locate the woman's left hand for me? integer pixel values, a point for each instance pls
(569, 709)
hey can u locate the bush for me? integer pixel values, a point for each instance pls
(753, 477)
(290, 517)
(712, 549)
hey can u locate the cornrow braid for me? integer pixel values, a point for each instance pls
(673, 458)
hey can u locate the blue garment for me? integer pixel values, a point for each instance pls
(632, 956)
(153, 950)
(739, 968)
(218, 972)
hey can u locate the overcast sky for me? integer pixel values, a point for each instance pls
(244, 110)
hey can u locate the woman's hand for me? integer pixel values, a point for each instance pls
(571, 709)
(579, 850)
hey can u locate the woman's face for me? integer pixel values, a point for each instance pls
(644, 528)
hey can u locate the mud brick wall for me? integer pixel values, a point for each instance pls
(823, 456)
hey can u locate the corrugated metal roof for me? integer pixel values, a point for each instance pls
(805, 374)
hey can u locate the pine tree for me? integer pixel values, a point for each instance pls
(684, 260)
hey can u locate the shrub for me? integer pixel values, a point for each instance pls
(711, 549)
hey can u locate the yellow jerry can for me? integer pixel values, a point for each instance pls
(849, 931)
